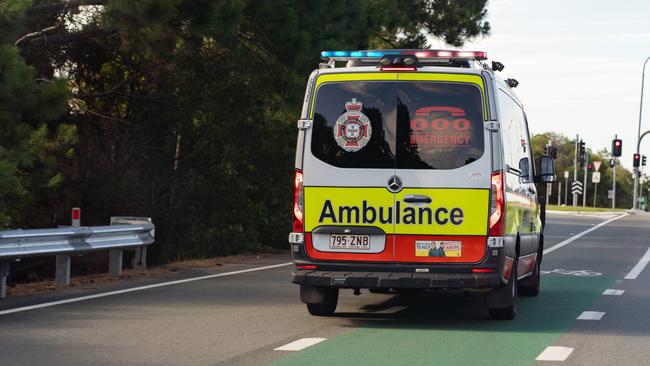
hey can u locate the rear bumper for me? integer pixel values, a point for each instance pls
(397, 280)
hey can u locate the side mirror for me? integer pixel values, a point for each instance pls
(546, 170)
(524, 171)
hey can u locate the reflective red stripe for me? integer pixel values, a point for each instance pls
(482, 270)
(306, 266)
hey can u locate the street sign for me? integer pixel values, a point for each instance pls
(610, 194)
(595, 177)
(566, 175)
(576, 187)
(597, 165)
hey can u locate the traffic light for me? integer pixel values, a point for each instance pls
(550, 151)
(590, 166)
(637, 160)
(643, 160)
(617, 147)
(581, 153)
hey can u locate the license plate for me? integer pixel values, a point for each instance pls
(349, 241)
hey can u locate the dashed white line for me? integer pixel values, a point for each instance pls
(636, 271)
(554, 353)
(591, 315)
(300, 344)
(139, 288)
(579, 235)
(613, 292)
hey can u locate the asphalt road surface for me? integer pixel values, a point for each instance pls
(240, 313)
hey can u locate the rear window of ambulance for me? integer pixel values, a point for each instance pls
(393, 124)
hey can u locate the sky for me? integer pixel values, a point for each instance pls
(578, 63)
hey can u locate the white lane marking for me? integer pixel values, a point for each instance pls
(554, 353)
(140, 288)
(579, 235)
(636, 271)
(591, 315)
(613, 292)
(300, 344)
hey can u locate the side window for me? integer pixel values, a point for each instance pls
(516, 144)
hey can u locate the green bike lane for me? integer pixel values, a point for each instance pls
(454, 328)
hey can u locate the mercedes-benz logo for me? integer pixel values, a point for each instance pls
(394, 184)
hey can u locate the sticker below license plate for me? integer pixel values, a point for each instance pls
(349, 241)
(438, 248)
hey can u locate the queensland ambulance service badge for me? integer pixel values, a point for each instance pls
(352, 129)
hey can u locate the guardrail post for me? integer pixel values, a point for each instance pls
(115, 262)
(4, 273)
(140, 257)
(62, 277)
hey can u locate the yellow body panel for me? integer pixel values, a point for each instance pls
(451, 212)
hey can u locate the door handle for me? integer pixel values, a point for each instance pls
(417, 198)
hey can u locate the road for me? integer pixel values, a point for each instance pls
(240, 318)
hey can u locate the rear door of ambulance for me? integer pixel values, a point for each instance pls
(396, 168)
(443, 160)
(348, 160)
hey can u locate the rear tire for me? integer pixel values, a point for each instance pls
(509, 295)
(328, 305)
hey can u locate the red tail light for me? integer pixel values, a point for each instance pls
(497, 206)
(298, 223)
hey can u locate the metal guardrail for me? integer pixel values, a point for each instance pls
(124, 233)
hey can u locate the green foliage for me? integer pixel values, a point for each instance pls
(28, 164)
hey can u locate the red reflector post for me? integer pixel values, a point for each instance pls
(76, 216)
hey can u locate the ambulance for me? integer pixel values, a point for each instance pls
(414, 171)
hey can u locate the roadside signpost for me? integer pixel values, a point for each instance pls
(595, 179)
(566, 187)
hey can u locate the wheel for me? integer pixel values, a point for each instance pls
(530, 286)
(328, 304)
(506, 296)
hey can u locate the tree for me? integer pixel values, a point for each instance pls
(186, 110)
(31, 140)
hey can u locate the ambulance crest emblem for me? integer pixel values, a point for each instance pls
(352, 129)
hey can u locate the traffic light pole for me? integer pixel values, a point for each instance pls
(548, 145)
(575, 171)
(614, 184)
(584, 192)
(637, 170)
(638, 144)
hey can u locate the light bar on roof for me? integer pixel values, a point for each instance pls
(420, 54)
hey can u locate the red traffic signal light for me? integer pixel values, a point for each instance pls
(590, 166)
(637, 160)
(617, 147)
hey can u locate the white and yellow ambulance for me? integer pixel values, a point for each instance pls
(414, 171)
